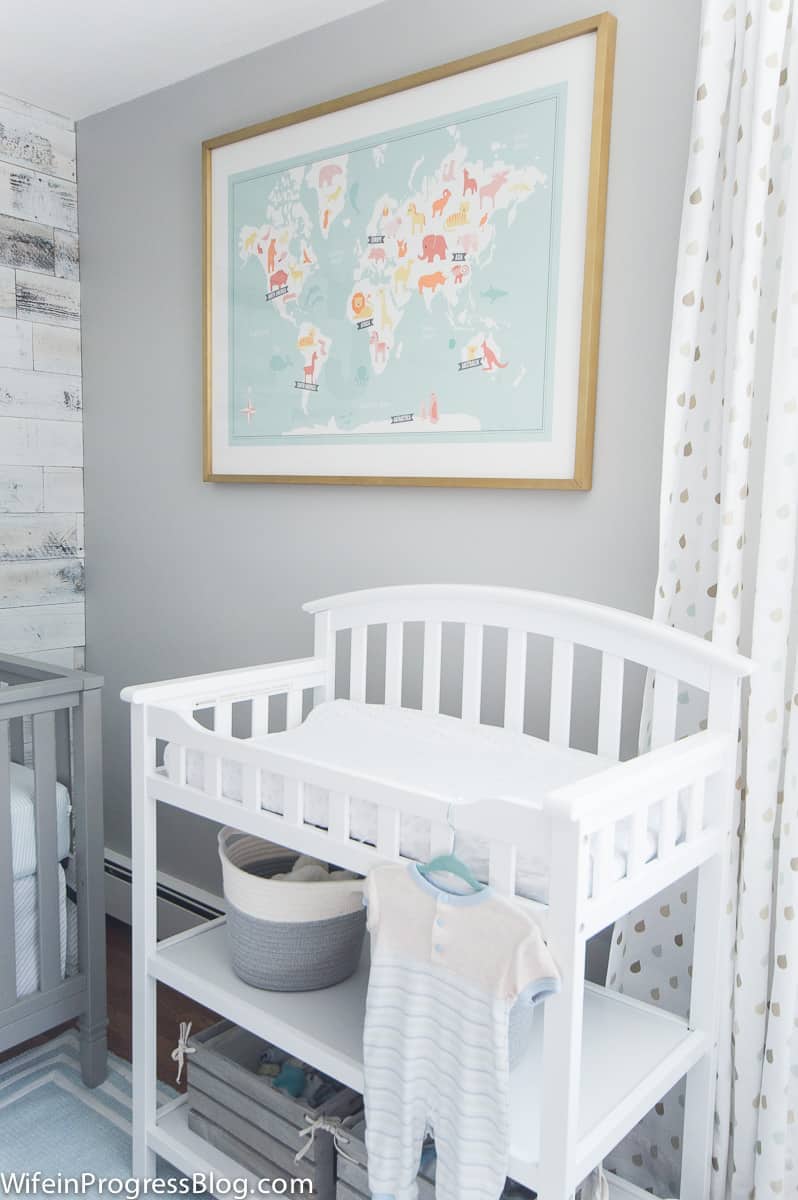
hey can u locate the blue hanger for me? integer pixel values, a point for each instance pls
(450, 863)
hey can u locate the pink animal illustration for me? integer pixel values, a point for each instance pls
(469, 182)
(328, 173)
(433, 281)
(440, 204)
(459, 272)
(391, 224)
(433, 408)
(432, 246)
(278, 279)
(489, 357)
(270, 260)
(490, 189)
(469, 241)
(380, 348)
(377, 254)
(310, 369)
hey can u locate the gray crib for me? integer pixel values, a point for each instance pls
(52, 906)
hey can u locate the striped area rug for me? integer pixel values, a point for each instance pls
(50, 1122)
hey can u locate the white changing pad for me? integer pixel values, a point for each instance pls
(425, 752)
(23, 823)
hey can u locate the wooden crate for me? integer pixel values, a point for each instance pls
(239, 1111)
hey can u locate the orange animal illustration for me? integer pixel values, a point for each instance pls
(278, 279)
(310, 369)
(326, 219)
(417, 219)
(440, 204)
(489, 358)
(401, 248)
(361, 307)
(490, 189)
(305, 256)
(469, 182)
(270, 261)
(433, 281)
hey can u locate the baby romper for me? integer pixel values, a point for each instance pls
(445, 971)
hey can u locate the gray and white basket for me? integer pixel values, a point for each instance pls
(286, 936)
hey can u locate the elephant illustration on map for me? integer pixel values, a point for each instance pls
(433, 246)
(327, 174)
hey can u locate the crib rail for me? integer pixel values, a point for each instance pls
(669, 789)
(49, 720)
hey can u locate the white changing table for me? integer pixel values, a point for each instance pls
(598, 1061)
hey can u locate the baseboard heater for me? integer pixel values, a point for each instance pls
(181, 905)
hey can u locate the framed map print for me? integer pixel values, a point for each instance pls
(402, 286)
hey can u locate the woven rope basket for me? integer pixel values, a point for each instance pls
(284, 936)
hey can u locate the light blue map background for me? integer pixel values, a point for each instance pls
(456, 338)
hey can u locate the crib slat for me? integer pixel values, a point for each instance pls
(339, 816)
(8, 969)
(212, 774)
(562, 677)
(515, 680)
(393, 664)
(602, 860)
(357, 663)
(46, 850)
(260, 716)
(388, 831)
(638, 839)
(431, 688)
(503, 861)
(223, 718)
(668, 825)
(666, 699)
(294, 801)
(293, 708)
(472, 674)
(250, 786)
(694, 822)
(611, 706)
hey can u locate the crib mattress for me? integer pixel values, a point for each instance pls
(423, 752)
(26, 930)
(23, 822)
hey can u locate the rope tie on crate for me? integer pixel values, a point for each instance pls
(182, 1049)
(331, 1125)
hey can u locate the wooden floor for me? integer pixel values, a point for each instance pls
(172, 1009)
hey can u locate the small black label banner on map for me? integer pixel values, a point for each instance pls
(376, 239)
(459, 256)
(280, 291)
(401, 418)
(468, 363)
(365, 324)
(305, 387)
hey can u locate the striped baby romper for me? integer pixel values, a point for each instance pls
(445, 971)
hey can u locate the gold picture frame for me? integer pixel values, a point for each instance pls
(603, 26)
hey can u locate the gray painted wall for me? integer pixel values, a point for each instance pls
(186, 577)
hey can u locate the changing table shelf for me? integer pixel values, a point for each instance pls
(632, 1053)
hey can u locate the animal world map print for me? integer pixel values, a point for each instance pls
(404, 287)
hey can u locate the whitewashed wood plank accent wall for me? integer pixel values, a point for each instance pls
(41, 435)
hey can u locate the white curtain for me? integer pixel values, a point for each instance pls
(729, 516)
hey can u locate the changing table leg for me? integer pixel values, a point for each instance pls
(90, 854)
(562, 1019)
(145, 936)
(699, 1104)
